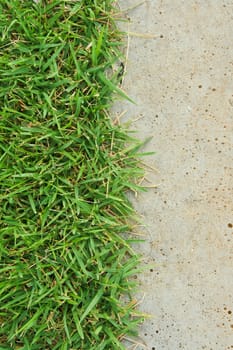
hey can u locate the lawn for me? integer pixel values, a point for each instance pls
(66, 223)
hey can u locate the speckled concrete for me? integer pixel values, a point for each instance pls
(182, 82)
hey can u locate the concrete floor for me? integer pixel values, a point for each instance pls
(182, 82)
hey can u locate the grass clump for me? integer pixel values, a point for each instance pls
(64, 172)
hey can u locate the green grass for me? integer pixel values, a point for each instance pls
(66, 264)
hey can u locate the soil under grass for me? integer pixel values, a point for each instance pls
(65, 169)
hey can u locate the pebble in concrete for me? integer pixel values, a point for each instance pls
(182, 82)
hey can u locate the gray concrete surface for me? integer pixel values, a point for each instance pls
(182, 82)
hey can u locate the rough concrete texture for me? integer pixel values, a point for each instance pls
(182, 83)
